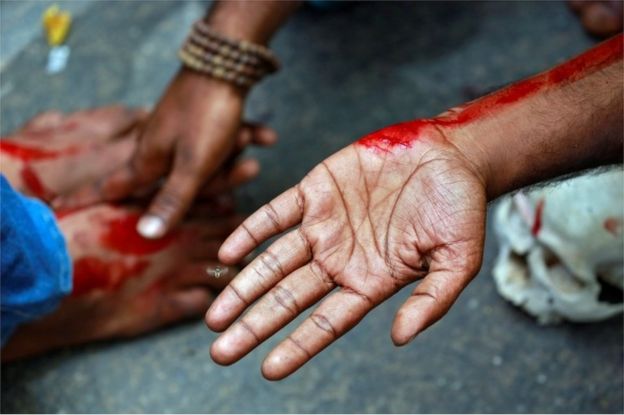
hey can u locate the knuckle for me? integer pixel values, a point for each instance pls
(250, 233)
(272, 215)
(263, 280)
(285, 299)
(249, 328)
(272, 263)
(170, 201)
(324, 324)
(299, 345)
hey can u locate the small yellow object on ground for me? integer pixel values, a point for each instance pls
(56, 24)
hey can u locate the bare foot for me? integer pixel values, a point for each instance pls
(38, 158)
(600, 18)
(55, 153)
(124, 285)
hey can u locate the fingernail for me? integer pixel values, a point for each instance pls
(151, 227)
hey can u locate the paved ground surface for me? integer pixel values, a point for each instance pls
(348, 72)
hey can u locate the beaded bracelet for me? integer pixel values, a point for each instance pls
(237, 61)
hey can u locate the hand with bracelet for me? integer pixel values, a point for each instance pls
(406, 203)
(191, 133)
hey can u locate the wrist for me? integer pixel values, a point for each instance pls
(206, 86)
(232, 23)
(477, 155)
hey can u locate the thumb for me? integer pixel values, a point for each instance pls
(429, 302)
(173, 200)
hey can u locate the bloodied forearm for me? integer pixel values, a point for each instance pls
(558, 122)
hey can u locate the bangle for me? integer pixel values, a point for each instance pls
(237, 61)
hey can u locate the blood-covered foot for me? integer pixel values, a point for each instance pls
(600, 18)
(124, 285)
(55, 153)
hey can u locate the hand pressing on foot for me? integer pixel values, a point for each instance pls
(195, 132)
(408, 203)
(124, 285)
(94, 143)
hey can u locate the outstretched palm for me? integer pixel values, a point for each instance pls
(373, 218)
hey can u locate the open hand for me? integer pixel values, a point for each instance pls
(401, 204)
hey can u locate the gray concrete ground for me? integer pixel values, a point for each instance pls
(347, 72)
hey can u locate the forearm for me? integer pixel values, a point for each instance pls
(255, 21)
(558, 122)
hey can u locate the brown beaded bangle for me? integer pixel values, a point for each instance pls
(218, 72)
(210, 58)
(242, 45)
(237, 61)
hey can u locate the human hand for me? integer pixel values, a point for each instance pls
(403, 203)
(192, 132)
(125, 285)
(407, 202)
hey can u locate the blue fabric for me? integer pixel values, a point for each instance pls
(36, 268)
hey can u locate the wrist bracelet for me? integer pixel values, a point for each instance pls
(237, 61)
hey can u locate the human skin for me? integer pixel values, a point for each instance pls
(123, 285)
(408, 203)
(600, 18)
(192, 129)
(96, 142)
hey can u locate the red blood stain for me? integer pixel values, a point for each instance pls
(92, 273)
(597, 58)
(26, 153)
(398, 135)
(576, 68)
(612, 225)
(537, 222)
(33, 184)
(121, 236)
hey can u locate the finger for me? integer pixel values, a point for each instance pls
(429, 302)
(241, 173)
(174, 199)
(278, 307)
(260, 134)
(283, 257)
(281, 213)
(335, 316)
